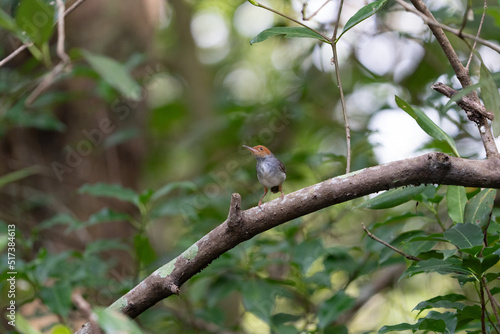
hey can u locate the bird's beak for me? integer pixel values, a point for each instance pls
(251, 149)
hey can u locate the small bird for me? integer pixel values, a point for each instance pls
(270, 171)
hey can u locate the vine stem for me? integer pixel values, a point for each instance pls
(332, 42)
(341, 90)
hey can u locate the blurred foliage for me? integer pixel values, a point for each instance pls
(316, 274)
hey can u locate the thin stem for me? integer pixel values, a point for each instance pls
(432, 22)
(341, 90)
(464, 19)
(492, 301)
(483, 308)
(61, 32)
(485, 6)
(374, 237)
(313, 14)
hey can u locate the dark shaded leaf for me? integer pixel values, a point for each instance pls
(393, 197)
(465, 236)
(332, 308)
(448, 301)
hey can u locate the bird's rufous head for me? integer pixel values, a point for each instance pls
(258, 151)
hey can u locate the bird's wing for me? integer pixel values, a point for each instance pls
(282, 167)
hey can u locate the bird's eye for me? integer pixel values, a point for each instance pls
(260, 148)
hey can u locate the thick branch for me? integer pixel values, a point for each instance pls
(437, 168)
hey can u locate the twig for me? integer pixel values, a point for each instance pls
(15, 53)
(61, 53)
(45, 83)
(374, 237)
(73, 7)
(492, 301)
(483, 308)
(87, 312)
(304, 6)
(475, 111)
(485, 6)
(341, 90)
(432, 22)
(28, 44)
(60, 32)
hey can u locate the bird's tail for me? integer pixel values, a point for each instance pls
(275, 189)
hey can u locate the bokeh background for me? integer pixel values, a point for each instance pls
(172, 145)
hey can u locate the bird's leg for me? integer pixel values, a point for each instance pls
(265, 193)
(281, 189)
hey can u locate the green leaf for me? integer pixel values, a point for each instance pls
(398, 328)
(7, 22)
(121, 136)
(259, 298)
(18, 175)
(114, 74)
(362, 15)
(107, 215)
(60, 329)
(104, 245)
(426, 124)
(297, 32)
(465, 235)
(143, 249)
(23, 326)
(451, 265)
(62, 219)
(112, 321)
(489, 261)
(169, 187)
(478, 209)
(332, 308)
(490, 95)
(58, 297)
(36, 19)
(448, 301)
(109, 190)
(439, 322)
(303, 253)
(456, 198)
(479, 265)
(393, 197)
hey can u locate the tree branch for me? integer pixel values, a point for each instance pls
(461, 72)
(474, 111)
(437, 168)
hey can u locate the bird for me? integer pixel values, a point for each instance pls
(270, 171)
